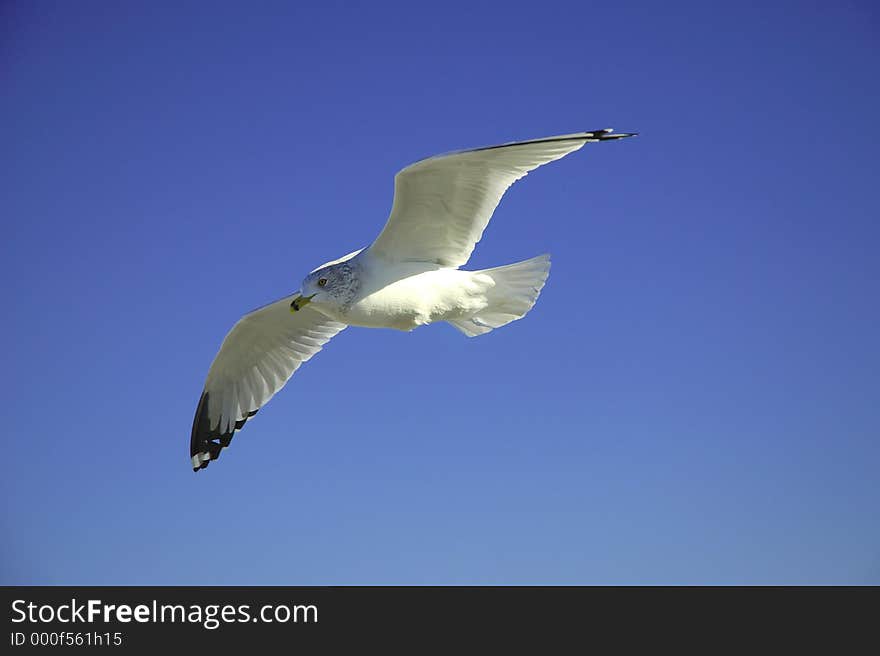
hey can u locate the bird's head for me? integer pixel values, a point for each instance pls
(332, 287)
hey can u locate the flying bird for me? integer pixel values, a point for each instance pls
(408, 277)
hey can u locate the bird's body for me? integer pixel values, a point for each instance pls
(407, 295)
(413, 297)
(408, 277)
(402, 296)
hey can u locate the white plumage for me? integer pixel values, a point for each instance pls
(408, 277)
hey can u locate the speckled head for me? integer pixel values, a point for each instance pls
(332, 287)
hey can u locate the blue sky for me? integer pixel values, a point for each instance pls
(694, 399)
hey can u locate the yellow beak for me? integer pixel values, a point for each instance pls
(300, 302)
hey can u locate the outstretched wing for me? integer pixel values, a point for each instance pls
(256, 359)
(442, 204)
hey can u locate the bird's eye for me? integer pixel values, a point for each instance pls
(322, 282)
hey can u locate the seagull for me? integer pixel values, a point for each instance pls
(408, 277)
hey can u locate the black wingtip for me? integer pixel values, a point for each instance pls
(206, 443)
(608, 134)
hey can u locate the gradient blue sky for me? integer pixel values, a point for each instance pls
(694, 399)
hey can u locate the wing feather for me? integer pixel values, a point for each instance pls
(443, 204)
(257, 357)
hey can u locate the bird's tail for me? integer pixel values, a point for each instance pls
(515, 291)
